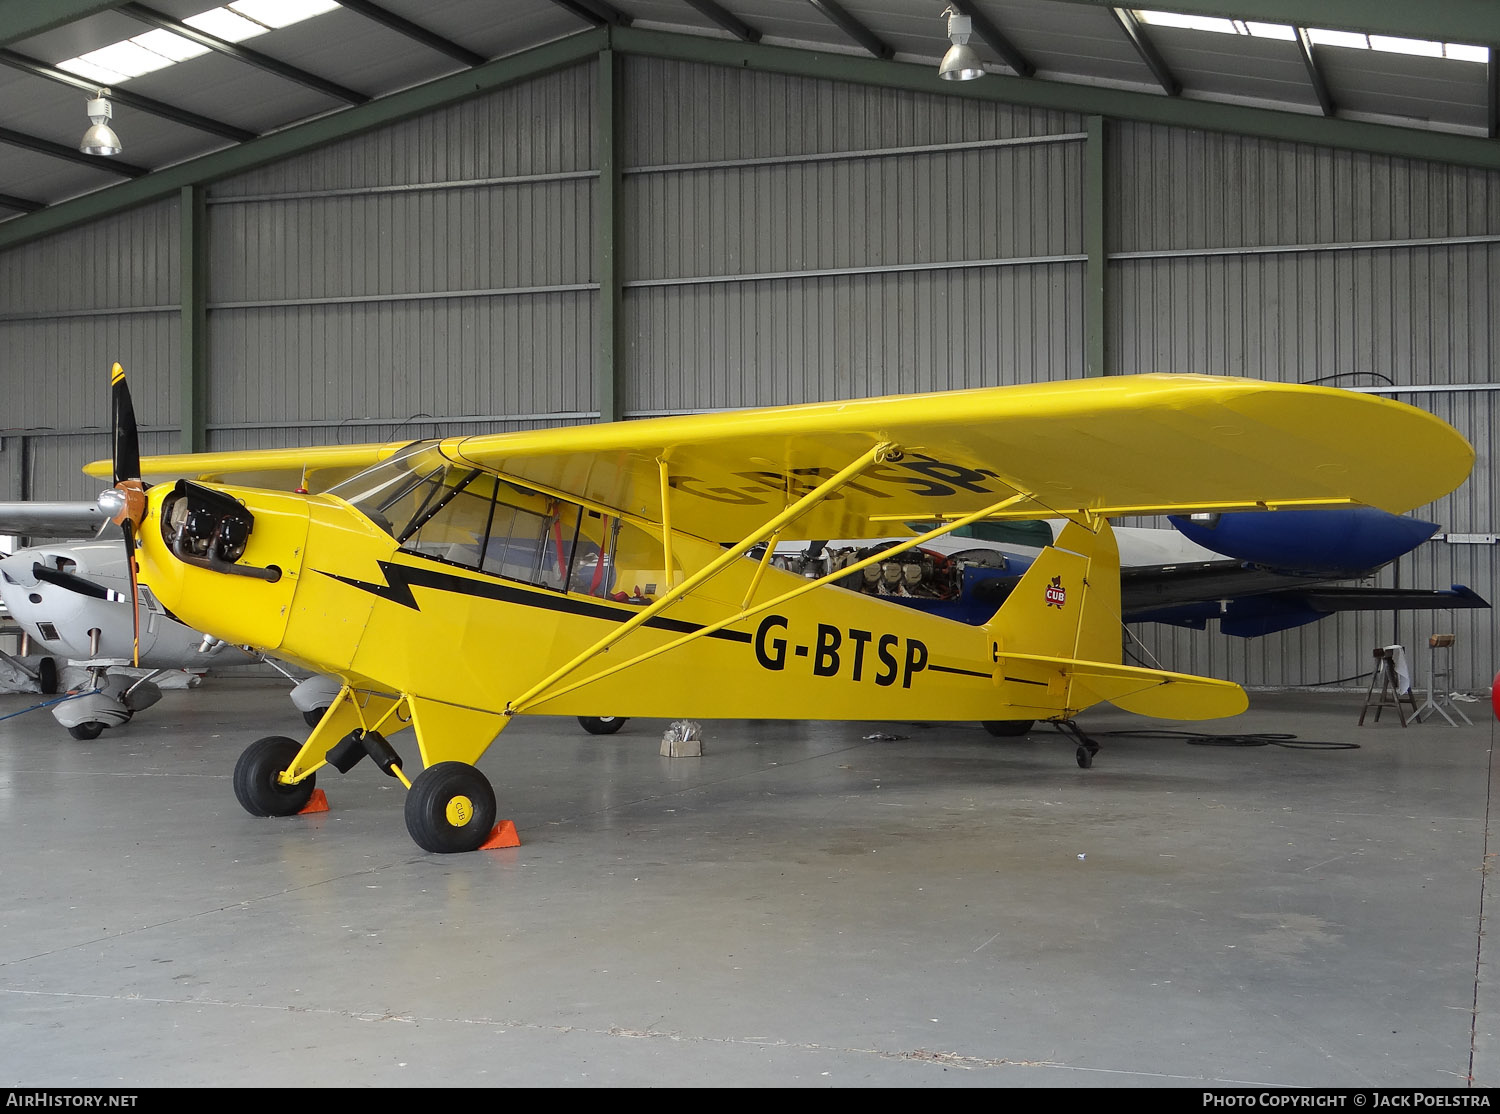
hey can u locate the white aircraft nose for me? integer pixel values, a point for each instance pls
(17, 569)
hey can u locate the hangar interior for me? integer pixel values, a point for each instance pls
(408, 219)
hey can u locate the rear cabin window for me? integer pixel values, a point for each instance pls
(472, 519)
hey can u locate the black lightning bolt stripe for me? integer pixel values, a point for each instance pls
(952, 669)
(401, 579)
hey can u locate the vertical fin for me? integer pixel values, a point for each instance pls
(1068, 603)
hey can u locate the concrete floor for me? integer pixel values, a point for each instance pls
(802, 906)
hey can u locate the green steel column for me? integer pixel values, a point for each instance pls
(606, 221)
(192, 282)
(1095, 276)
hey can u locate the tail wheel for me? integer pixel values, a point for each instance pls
(1006, 728)
(450, 808)
(602, 725)
(46, 676)
(256, 774)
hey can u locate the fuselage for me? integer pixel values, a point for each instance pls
(349, 600)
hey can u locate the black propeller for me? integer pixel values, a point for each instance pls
(73, 583)
(127, 446)
(125, 503)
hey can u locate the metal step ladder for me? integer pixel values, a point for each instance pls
(1388, 681)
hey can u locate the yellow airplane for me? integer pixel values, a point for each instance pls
(452, 584)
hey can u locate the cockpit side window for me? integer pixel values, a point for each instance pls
(470, 518)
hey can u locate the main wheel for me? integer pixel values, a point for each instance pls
(255, 778)
(86, 731)
(602, 725)
(314, 716)
(449, 808)
(46, 676)
(1005, 728)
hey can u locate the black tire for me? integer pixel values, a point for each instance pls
(255, 774)
(83, 732)
(602, 725)
(314, 717)
(450, 808)
(46, 676)
(1008, 728)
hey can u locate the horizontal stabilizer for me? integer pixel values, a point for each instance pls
(1394, 599)
(1146, 692)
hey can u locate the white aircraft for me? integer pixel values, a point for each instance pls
(72, 603)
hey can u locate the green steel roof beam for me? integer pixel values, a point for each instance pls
(1314, 74)
(1492, 79)
(125, 96)
(1117, 104)
(24, 204)
(1127, 22)
(854, 28)
(597, 12)
(243, 54)
(414, 32)
(71, 154)
(995, 39)
(727, 20)
(307, 137)
(1292, 127)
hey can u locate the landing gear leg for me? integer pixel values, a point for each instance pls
(1087, 747)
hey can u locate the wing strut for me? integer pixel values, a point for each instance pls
(538, 694)
(876, 455)
(666, 522)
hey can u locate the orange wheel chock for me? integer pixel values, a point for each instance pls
(318, 802)
(502, 834)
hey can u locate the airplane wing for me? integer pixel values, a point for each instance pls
(1115, 445)
(1112, 446)
(317, 468)
(1249, 601)
(81, 519)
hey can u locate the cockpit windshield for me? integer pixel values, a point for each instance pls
(467, 517)
(390, 490)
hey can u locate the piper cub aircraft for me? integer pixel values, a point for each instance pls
(602, 570)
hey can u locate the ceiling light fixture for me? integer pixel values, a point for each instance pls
(100, 139)
(961, 63)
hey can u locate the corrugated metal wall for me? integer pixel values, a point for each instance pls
(781, 239)
(1279, 261)
(791, 240)
(70, 306)
(441, 268)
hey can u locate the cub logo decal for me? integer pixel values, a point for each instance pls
(1056, 594)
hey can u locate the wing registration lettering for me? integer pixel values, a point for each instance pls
(915, 475)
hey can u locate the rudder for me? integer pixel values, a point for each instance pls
(1067, 605)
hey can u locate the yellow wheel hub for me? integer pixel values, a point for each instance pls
(460, 811)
